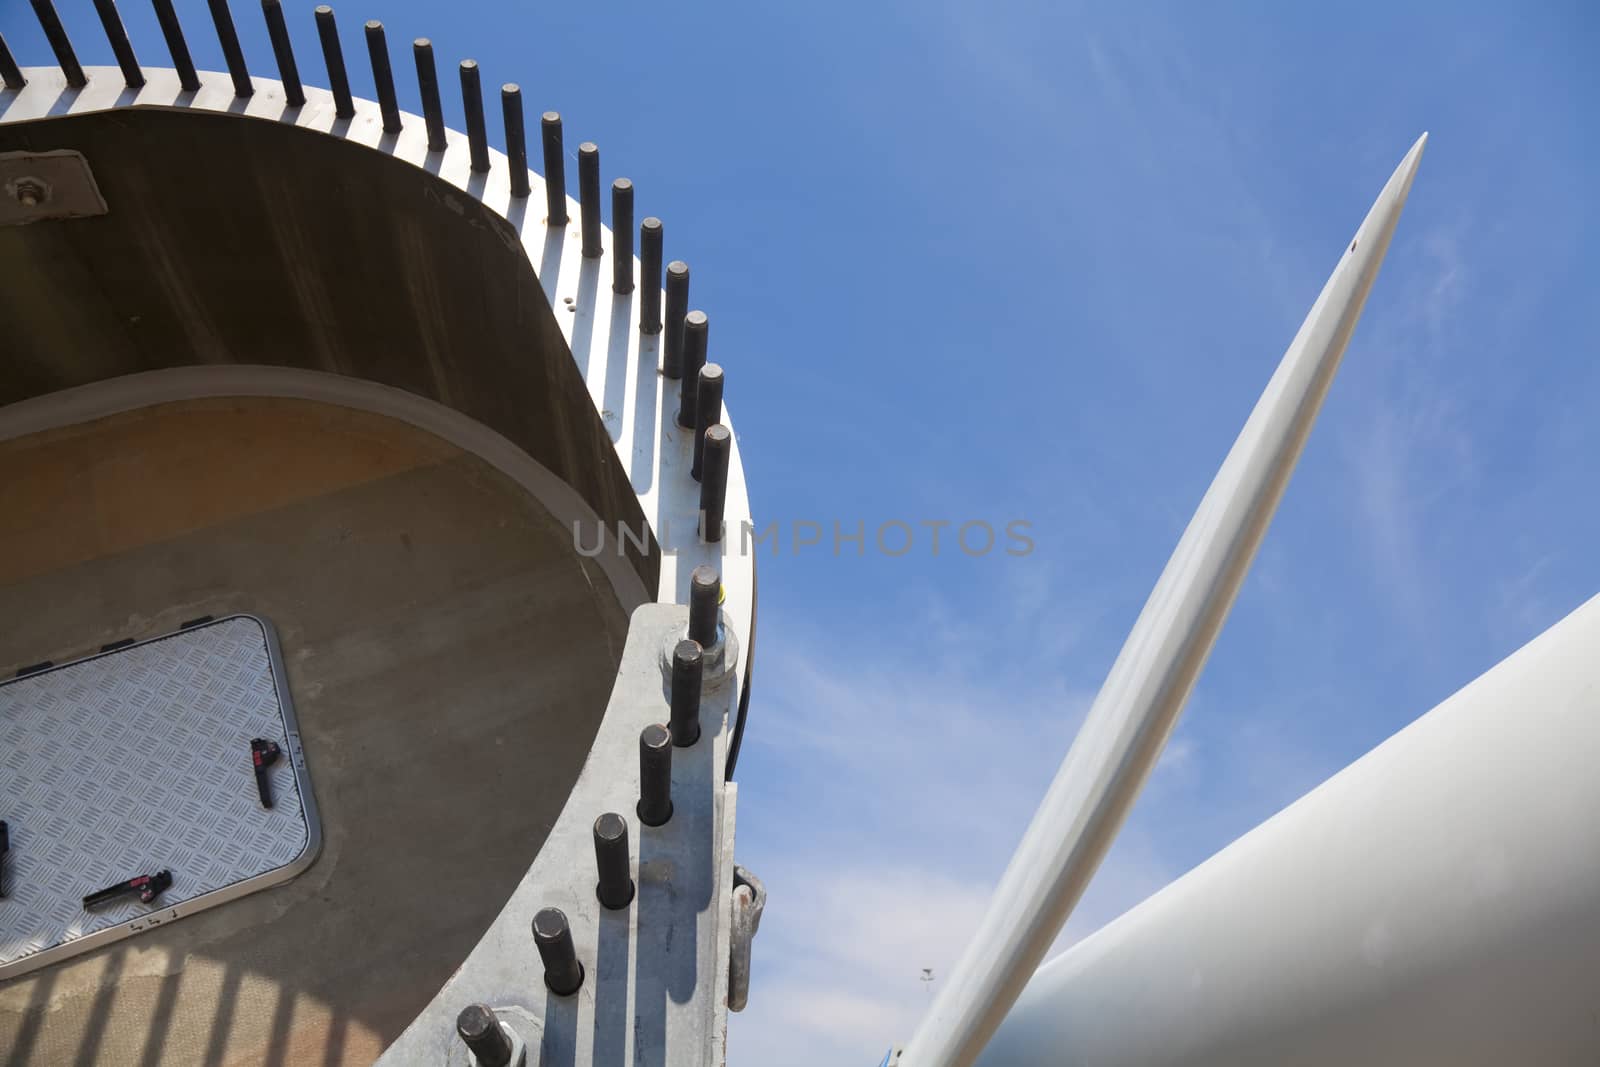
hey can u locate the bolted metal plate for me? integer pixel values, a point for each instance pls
(136, 760)
(656, 971)
(35, 186)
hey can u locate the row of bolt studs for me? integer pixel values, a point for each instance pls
(650, 232)
(685, 332)
(477, 1025)
(684, 350)
(388, 103)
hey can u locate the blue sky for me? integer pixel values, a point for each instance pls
(1036, 261)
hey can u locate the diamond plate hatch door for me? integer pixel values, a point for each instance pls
(138, 760)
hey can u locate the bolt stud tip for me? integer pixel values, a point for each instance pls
(555, 170)
(344, 105)
(615, 885)
(428, 88)
(685, 698)
(383, 76)
(695, 335)
(472, 106)
(479, 1028)
(677, 311)
(650, 236)
(714, 481)
(563, 974)
(589, 198)
(282, 51)
(622, 236)
(655, 775)
(516, 138)
(705, 605)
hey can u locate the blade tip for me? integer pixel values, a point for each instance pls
(1417, 147)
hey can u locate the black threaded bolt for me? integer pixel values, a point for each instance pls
(516, 138)
(677, 310)
(686, 660)
(696, 334)
(705, 605)
(383, 76)
(589, 199)
(333, 55)
(562, 971)
(555, 170)
(622, 236)
(472, 108)
(428, 87)
(650, 236)
(480, 1028)
(615, 887)
(655, 775)
(714, 481)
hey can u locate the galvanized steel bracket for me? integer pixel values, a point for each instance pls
(749, 900)
(655, 985)
(47, 185)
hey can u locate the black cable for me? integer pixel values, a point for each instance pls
(744, 690)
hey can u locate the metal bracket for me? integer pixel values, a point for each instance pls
(749, 900)
(47, 185)
(654, 972)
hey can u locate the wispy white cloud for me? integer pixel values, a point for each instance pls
(855, 961)
(909, 761)
(1525, 605)
(839, 974)
(923, 757)
(1412, 444)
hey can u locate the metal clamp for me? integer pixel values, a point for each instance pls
(47, 185)
(749, 899)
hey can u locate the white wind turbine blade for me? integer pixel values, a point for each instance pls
(1436, 902)
(1153, 674)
